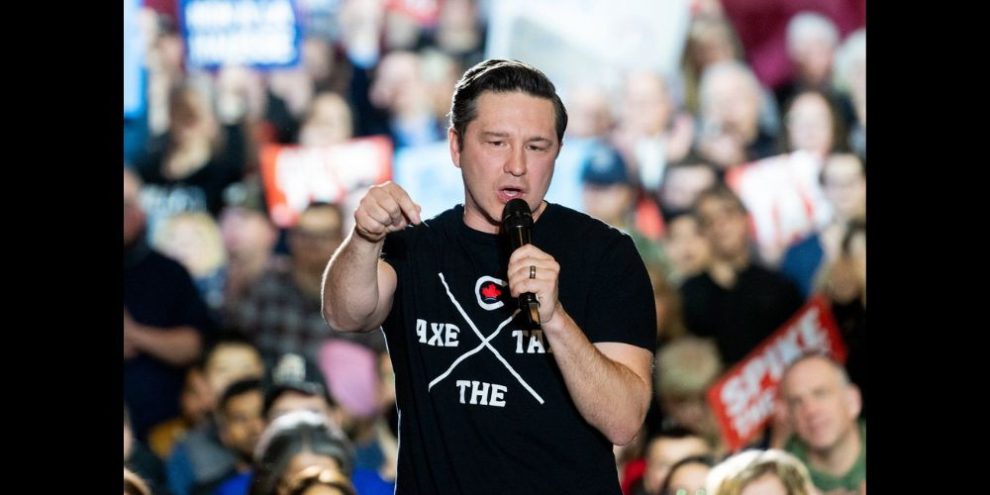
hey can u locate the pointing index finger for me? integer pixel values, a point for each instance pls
(409, 208)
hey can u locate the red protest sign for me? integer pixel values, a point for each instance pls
(295, 176)
(742, 399)
(425, 12)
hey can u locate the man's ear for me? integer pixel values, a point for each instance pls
(455, 149)
(854, 400)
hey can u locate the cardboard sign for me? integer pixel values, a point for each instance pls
(295, 176)
(582, 41)
(743, 398)
(262, 34)
(784, 199)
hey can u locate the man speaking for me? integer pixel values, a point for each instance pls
(490, 401)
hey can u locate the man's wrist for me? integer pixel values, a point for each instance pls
(558, 319)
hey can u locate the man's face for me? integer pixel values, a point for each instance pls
(328, 123)
(690, 411)
(683, 185)
(588, 112)
(735, 104)
(725, 226)
(647, 106)
(813, 58)
(246, 232)
(315, 237)
(845, 185)
(809, 124)
(242, 423)
(232, 362)
(664, 452)
(687, 248)
(608, 203)
(821, 407)
(508, 152)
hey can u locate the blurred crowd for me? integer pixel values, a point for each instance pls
(741, 177)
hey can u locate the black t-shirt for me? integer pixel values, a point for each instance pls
(739, 318)
(201, 190)
(159, 292)
(494, 416)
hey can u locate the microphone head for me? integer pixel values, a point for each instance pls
(516, 208)
(517, 221)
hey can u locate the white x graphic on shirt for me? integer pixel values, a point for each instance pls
(484, 343)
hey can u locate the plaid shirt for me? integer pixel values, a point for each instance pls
(280, 318)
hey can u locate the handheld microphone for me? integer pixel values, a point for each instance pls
(517, 221)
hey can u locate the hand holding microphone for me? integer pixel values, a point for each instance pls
(532, 273)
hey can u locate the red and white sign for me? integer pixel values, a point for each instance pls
(784, 199)
(295, 176)
(743, 398)
(426, 12)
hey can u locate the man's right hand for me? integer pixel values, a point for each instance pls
(384, 208)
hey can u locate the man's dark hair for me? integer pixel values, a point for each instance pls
(501, 76)
(235, 389)
(719, 192)
(228, 336)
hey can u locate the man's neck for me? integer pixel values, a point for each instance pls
(838, 460)
(725, 271)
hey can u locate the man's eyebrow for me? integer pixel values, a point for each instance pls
(488, 134)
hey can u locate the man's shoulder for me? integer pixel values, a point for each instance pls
(578, 224)
(162, 265)
(700, 281)
(766, 276)
(430, 232)
(444, 220)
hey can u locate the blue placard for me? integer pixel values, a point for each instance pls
(263, 34)
(133, 60)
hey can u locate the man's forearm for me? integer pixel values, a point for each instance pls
(178, 346)
(608, 394)
(351, 292)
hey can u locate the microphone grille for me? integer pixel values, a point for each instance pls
(514, 208)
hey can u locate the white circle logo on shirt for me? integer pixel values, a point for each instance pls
(489, 290)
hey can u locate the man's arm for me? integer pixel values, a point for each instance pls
(357, 285)
(608, 381)
(178, 346)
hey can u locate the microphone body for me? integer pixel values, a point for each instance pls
(517, 223)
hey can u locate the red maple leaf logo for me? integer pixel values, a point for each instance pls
(490, 291)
